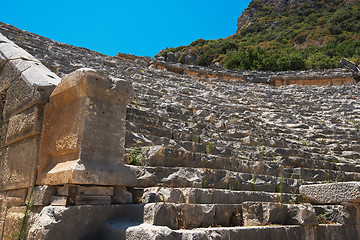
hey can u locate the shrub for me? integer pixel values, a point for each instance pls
(301, 38)
(335, 30)
(204, 60)
(233, 61)
(340, 16)
(294, 61)
(319, 61)
(200, 42)
(227, 46)
(137, 156)
(251, 59)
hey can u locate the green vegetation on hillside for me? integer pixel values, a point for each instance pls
(305, 37)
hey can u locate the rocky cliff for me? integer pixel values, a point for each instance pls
(281, 6)
(281, 36)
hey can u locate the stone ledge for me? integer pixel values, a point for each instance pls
(147, 231)
(331, 193)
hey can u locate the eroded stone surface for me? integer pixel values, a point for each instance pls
(336, 214)
(83, 134)
(259, 213)
(25, 86)
(121, 196)
(41, 195)
(18, 166)
(331, 232)
(16, 197)
(161, 215)
(53, 221)
(331, 193)
(302, 214)
(3, 206)
(12, 227)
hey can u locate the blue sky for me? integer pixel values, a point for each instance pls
(136, 27)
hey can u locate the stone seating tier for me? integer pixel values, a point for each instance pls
(216, 158)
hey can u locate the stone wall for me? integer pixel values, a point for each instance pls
(25, 88)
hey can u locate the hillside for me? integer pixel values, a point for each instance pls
(280, 36)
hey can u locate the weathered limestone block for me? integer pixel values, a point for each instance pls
(16, 197)
(2, 224)
(156, 155)
(157, 194)
(18, 164)
(12, 228)
(196, 215)
(25, 86)
(225, 196)
(198, 195)
(148, 231)
(21, 96)
(252, 213)
(331, 193)
(24, 124)
(337, 214)
(63, 200)
(260, 213)
(92, 200)
(27, 80)
(161, 214)
(227, 215)
(324, 81)
(41, 195)
(84, 131)
(121, 196)
(76, 190)
(301, 214)
(82, 195)
(2, 206)
(78, 222)
(9, 49)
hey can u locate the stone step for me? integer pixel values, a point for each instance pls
(189, 216)
(142, 112)
(186, 115)
(137, 116)
(175, 157)
(249, 220)
(208, 196)
(141, 115)
(148, 231)
(194, 216)
(183, 177)
(190, 142)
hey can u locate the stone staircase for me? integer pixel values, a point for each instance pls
(222, 159)
(210, 156)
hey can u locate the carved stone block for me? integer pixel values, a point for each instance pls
(84, 131)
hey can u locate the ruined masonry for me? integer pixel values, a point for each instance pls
(100, 147)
